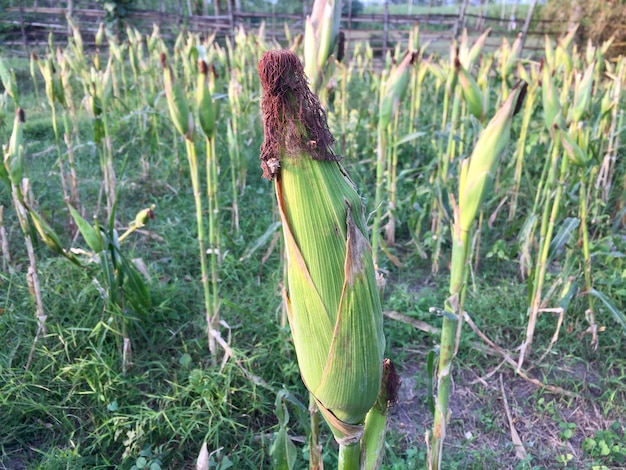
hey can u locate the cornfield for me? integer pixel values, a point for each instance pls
(133, 169)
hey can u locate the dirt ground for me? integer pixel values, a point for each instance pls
(479, 433)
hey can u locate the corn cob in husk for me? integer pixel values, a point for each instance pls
(331, 295)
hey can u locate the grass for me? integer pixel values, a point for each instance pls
(73, 408)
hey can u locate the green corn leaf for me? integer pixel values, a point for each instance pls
(14, 156)
(262, 240)
(109, 277)
(89, 233)
(50, 237)
(525, 238)
(617, 314)
(431, 366)
(568, 293)
(410, 137)
(562, 236)
(576, 155)
(283, 451)
(135, 287)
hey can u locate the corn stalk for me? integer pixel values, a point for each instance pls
(475, 178)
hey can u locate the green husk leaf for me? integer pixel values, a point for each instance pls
(50, 237)
(472, 93)
(14, 156)
(8, 81)
(477, 177)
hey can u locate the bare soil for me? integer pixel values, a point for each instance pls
(479, 435)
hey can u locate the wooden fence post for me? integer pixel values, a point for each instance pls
(460, 22)
(385, 29)
(231, 17)
(529, 15)
(23, 29)
(237, 14)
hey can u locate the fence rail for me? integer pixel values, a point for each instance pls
(23, 28)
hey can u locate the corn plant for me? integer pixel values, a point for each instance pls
(529, 107)
(121, 286)
(392, 92)
(475, 177)
(556, 172)
(12, 173)
(55, 92)
(183, 120)
(331, 295)
(448, 78)
(207, 118)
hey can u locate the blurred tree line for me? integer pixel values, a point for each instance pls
(598, 20)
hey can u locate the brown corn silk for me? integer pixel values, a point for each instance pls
(286, 94)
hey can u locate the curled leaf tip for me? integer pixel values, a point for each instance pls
(293, 119)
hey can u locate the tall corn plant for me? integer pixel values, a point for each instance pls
(331, 294)
(55, 92)
(447, 78)
(529, 107)
(476, 175)
(577, 134)
(207, 117)
(552, 186)
(12, 173)
(392, 92)
(183, 119)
